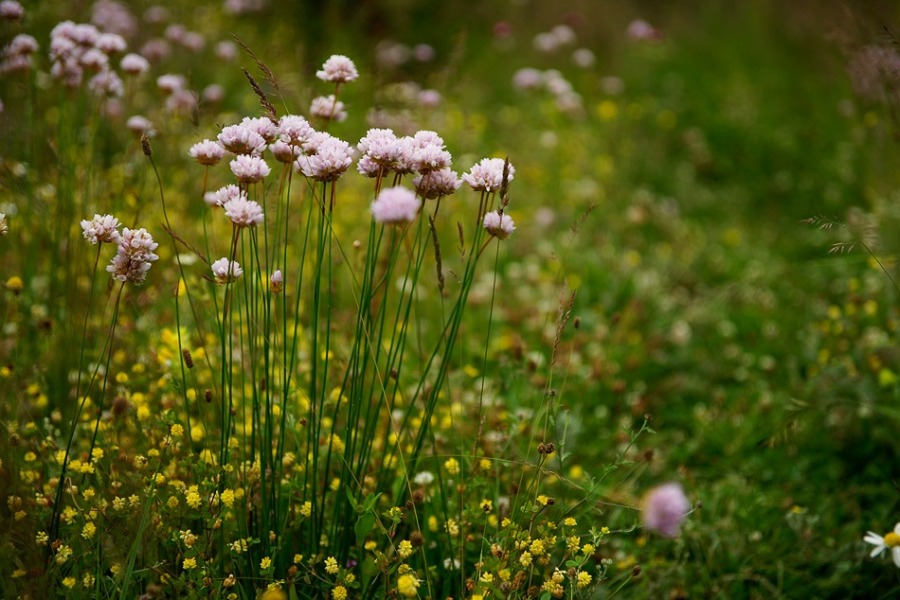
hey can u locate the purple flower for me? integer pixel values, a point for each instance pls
(665, 507)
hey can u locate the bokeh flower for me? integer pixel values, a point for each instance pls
(665, 507)
(396, 205)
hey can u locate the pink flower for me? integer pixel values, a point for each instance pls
(225, 271)
(243, 212)
(499, 225)
(487, 175)
(396, 205)
(207, 152)
(665, 507)
(327, 107)
(241, 139)
(134, 64)
(132, 261)
(442, 182)
(100, 229)
(249, 169)
(338, 69)
(11, 10)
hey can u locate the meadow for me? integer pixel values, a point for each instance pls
(472, 300)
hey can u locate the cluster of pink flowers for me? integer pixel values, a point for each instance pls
(76, 48)
(16, 56)
(551, 41)
(134, 256)
(567, 99)
(102, 229)
(423, 153)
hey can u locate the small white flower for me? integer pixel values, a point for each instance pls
(424, 478)
(338, 69)
(226, 271)
(889, 540)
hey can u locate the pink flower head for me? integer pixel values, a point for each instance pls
(134, 64)
(396, 205)
(243, 212)
(249, 169)
(222, 195)
(110, 43)
(331, 158)
(499, 225)
(338, 69)
(294, 130)
(135, 253)
(329, 108)
(139, 124)
(170, 84)
(665, 507)
(527, 79)
(442, 182)
(207, 152)
(107, 83)
(263, 126)
(101, 229)
(241, 139)
(10, 10)
(21, 44)
(226, 271)
(487, 175)
(381, 147)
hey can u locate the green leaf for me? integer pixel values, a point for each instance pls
(364, 526)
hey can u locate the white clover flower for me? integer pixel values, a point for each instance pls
(243, 212)
(329, 108)
(134, 64)
(487, 175)
(132, 261)
(890, 541)
(338, 69)
(396, 205)
(207, 152)
(441, 182)
(101, 229)
(424, 478)
(499, 225)
(331, 158)
(240, 139)
(249, 169)
(225, 271)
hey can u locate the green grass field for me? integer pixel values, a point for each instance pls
(701, 288)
